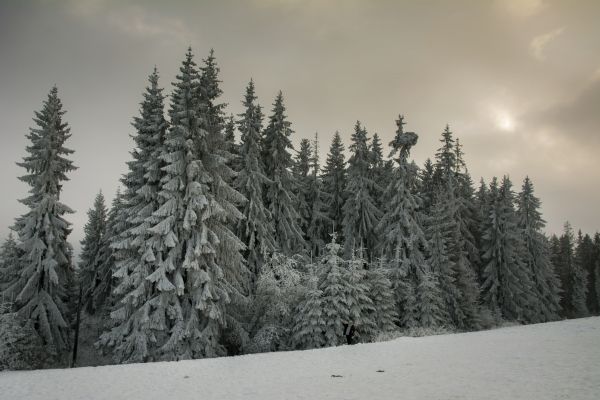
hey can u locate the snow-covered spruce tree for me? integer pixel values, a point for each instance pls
(380, 292)
(379, 173)
(537, 255)
(10, 267)
(333, 284)
(507, 287)
(361, 215)
(462, 252)
(482, 206)
(94, 230)
(588, 261)
(216, 159)
(319, 221)
(441, 266)
(345, 298)
(280, 199)
(563, 259)
(279, 290)
(309, 319)
(426, 186)
(231, 146)
(41, 289)
(579, 280)
(102, 297)
(445, 157)
(453, 181)
(256, 228)
(192, 292)
(137, 251)
(334, 182)
(360, 305)
(402, 237)
(301, 171)
(214, 155)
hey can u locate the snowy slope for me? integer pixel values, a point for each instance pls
(558, 360)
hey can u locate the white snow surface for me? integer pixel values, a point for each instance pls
(559, 360)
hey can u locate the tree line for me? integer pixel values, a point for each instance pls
(217, 246)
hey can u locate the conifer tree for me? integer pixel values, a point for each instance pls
(256, 228)
(10, 266)
(345, 298)
(309, 321)
(537, 256)
(334, 182)
(136, 251)
(102, 297)
(360, 305)
(579, 280)
(442, 267)
(214, 154)
(361, 215)
(43, 283)
(301, 169)
(507, 287)
(454, 183)
(380, 292)
(402, 239)
(427, 186)
(445, 159)
(319, 220)
(379, 171)
(90, 261)
(231, 146)
(563, 258)
(280, 199)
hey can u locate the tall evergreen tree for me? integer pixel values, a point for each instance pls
(442, 267)
(537, 256)
(43, 283)
(309, 320)
(564, 263)
(579, 279)
(301, 170)
(10, 267)
(334, 182)
(345, 298)
(280, 199)
(379, 171)
(102, 296)
(507, 287)
(360, 211)
(90, 261)
(380, 292)
(319, 221)
(427, 186)
(402, 240)
(256, 228)
(231, 146)
(136, 250)
(213, 150)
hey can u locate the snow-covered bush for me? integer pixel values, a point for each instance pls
(20, 345)
(278, 291)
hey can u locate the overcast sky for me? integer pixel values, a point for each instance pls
(517, 80)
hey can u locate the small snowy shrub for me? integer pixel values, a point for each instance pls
(20, 346)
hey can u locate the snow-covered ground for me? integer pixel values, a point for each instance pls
(559, 360)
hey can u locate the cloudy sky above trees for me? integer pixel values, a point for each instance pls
(517, 80)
